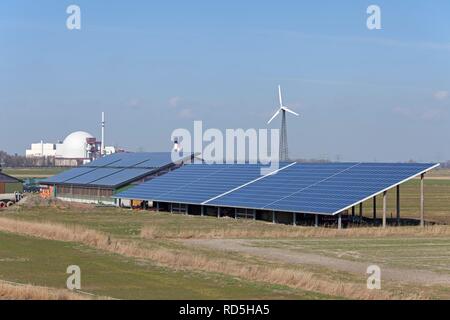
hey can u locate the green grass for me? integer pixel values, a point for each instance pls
(44, 262)
(439, 172)
(437, 201)
(149, 281)
(128, 223)
(24, 173)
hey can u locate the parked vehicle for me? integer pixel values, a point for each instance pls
(8, 199)
(31, 185)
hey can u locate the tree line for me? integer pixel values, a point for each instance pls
(17, 161)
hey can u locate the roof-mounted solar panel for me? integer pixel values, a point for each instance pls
(69, 174)
(322, 188)
(112, 170)
(120, 177)
(96, 174)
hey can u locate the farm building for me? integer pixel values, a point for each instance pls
(10, 184)
(296, 193)
(99, 180)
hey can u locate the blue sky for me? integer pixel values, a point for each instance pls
(155, 66)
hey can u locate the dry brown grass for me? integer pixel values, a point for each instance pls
(53, 231)
(32, 201)
(153, 232)
(295, 278)
(10, 291)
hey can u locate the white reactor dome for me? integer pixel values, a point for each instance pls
(74, 145)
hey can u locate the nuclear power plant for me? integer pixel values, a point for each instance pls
(77, 148)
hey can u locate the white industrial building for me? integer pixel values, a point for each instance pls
(77, 148)
(74, 146)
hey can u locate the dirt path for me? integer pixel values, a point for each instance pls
(289, 256)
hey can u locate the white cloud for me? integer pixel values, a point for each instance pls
(174, 101)
(431, 114)
(403, 111)
(441, 95)
(419, 113)
(134, 103)
(181, 107)
(186, 113)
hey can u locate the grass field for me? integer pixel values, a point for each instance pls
(44, 262)
(24, 173)
(437, 200)
(146, 255)
(169, 256)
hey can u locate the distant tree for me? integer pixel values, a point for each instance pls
(7, 160)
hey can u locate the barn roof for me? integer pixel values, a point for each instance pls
(8, 179)
(115, 170)
(321, 188)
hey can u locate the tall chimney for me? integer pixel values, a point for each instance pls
(102, 148)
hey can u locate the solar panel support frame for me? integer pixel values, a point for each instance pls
(387, 188)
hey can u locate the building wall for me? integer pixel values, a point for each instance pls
(63, 162)
(41, 150)
(109, 201)
(84, 194)
(13, 187)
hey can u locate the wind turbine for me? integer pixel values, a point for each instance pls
(284, 154)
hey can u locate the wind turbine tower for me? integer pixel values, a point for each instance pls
(284, 150)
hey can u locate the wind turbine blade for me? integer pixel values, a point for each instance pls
(273, 117)
(289, 110)
(279, 96)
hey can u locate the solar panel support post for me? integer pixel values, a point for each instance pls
(398, 205)
(422, 200)
(157, 206)
(353, 211)
(171, 207)
(375, 208)
(273, 217)
(360, 210)
(384, 208)
(294, 219)
(235, 213)
(339, 221)
(254, 214)
(202, 208)
(218, 212)
(316, 220)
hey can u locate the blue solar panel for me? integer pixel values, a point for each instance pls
(66, 175)
(105, 161)
(325, 188)
(93, 175)
(320, 188)
(120, 176)
(112, 170)
(132, 159)
(157, 159)
(194, 183)
(129, 159)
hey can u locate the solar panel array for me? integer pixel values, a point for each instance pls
(325, 188)
(113, 170)
(138, 160)
(195, 183)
